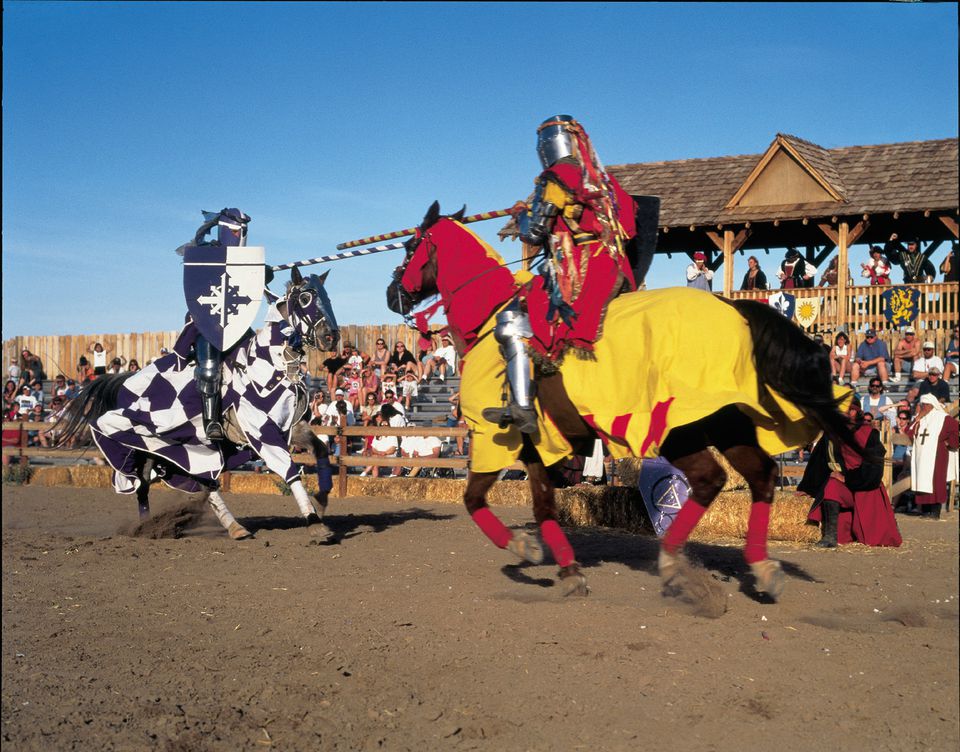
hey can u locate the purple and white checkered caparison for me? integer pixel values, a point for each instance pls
(159, 411)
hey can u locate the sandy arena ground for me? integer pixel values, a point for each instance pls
(414, 633)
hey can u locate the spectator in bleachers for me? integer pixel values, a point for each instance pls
(133, 366)
(754, 279)
(352, 385)
(410, 388)
(389, 381)
(100, 354)
(403, 360)
(877, 269)
(9, 392)
(443, 361)
(933, 384)
(48, 438)
(922, 365)
(339, 406)
(335, 365)
(950, 361)
(59, 385)
(25, 401)
(13, 372)
(72, 390)
(84, 371)
(36, 389)
(370, 409)
(31, 361)
(390, 398)
(840, 356)
(370, 384)
(116, 365)
(386, 446)
(905, 353)
(872, 354)
(37, 415)
(875, 401)
(380, 357)
(456, 420)
(420, 446)
(318, 408)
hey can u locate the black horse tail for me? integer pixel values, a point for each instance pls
(95, 399)
(796, 367)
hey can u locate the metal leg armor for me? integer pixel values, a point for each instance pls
(207, 374)
(512, 328)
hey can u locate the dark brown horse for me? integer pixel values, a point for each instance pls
(766, 384)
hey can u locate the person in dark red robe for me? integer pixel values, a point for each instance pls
(936, 437)
(849, 496)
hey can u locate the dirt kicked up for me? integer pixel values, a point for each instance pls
(414, 633)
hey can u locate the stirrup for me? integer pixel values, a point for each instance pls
(214, 431)
(524, 418)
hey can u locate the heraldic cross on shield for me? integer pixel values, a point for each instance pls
(223, 286)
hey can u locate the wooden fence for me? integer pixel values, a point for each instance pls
(61, 353)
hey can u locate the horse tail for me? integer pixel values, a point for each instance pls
(796, 367)
(95, 399)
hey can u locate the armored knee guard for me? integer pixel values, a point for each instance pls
(511, 331)
(207, 374)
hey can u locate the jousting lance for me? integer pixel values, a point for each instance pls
(338, 256)
(411, 230)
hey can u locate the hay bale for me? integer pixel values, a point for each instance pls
(628, 471)
(604, 506)
(50, 476)
(91, 476)
(728, 515)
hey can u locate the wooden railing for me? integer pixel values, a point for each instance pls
(938, 309)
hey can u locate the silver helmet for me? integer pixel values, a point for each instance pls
(554, 142)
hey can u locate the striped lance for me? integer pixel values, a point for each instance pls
(339, 256)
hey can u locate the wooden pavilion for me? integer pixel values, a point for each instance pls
(797, 194)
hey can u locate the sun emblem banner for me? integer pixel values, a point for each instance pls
(808, 309)
(901, 305)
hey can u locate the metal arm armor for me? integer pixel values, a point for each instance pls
(542, 216)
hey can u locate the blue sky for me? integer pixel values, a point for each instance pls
(326, 122)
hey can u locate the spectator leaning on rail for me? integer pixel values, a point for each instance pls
(905, 353)
(917, 268)
(754, 279)
(877, 269)
(795, 271)
(871, 354)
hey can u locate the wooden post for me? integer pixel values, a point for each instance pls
(342, 471)
(24, 460)
(842, 279)
(727, 262)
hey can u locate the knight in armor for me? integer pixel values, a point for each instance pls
(582, 221)
(231, 227)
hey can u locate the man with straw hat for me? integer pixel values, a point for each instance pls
(933, 464)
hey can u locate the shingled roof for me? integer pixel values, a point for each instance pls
(884, 178)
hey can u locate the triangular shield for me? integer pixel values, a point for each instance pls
(808, 309)
(223, 286)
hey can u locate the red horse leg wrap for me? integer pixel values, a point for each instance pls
(492, 527)
(682, 525)
(553, 536)
(756, 548)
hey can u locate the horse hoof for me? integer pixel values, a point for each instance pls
(312, 519)
(572, 581)
(526, 547)
(769, 577)
(320, 532)
(668, 566)
(238, 531)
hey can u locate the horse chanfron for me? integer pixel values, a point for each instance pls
(310, 311)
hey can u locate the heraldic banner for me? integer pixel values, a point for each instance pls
(901, 305)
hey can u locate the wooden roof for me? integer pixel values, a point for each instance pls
(848, 181)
